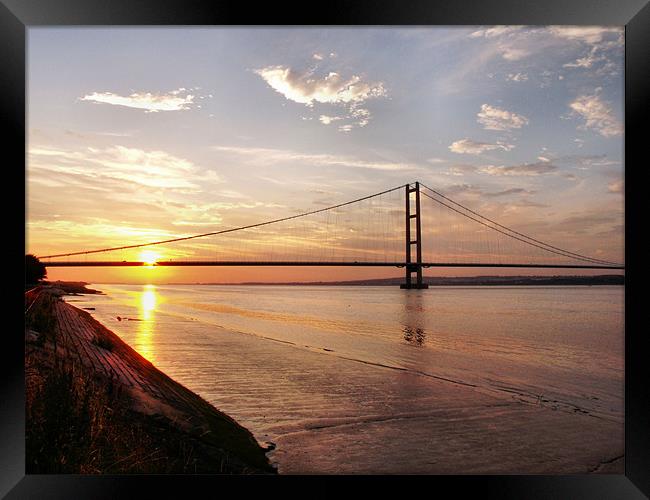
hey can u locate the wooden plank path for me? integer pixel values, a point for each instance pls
(86, 340)
(75, 338)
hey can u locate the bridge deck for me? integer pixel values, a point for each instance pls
(314, 264)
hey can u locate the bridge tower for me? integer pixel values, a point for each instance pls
(411, 266)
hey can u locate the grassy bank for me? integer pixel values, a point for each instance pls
(94, 406)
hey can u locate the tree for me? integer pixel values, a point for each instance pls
(34, 270)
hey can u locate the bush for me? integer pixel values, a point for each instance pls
(35, 270)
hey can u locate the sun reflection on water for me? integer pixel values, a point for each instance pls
(144, 337)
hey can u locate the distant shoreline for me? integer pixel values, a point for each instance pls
(71, 287)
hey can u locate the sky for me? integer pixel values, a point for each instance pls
(142, 134)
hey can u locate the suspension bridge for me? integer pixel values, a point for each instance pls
(410, 226)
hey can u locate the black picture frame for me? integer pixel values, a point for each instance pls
(16, 16)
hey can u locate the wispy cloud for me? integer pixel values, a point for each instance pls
(326, 120)
(176, 100)
(615, 187)
(460, 170)
(495, 31)
(525, 169)
(470, 189)
(517, 77)
(493, 118)
(509, 192)
(102, 227)
(516, 43)
(267, 156)
(514, 54)
(587, 34)
(598, 114)
(589, 222)
(153, 169)
(468, 146)
(585, 162)
(508, 39)
(587, 61)
(361, 115)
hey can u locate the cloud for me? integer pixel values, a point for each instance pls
(102, 228)
(584, 34)
(529, 203)
(508, 192)
(526, 169)
(303, 88)
(330, 89)
(510, 40)
(460, 170)
(587, 222)
(463, 189)
(615, 187)
(495, 31)
(207, 214)
(140, 188)
(587, 34)
(606, 44)
(515, 43)
(266, 156)
(514, 54)
(468, 146)
(152, 169)
(326, 120)
(584, 162)
(517, 77)
(493, 118)
(476, 191)
(151, 103)
(362, 116)
(598, 115)
(274, 156)
(585, 62)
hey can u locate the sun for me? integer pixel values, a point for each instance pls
(149, 257)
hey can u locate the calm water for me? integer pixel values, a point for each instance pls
(378, 379)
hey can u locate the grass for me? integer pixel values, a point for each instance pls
(103, 342)
(39, 316)
(81, 424)
(76, 424)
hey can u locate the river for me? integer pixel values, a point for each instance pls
(348, 379)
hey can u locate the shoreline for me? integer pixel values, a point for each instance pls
(95, 406)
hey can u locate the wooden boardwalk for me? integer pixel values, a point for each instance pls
(77, 339)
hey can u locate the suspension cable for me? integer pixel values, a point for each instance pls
(587, 259)
(185, 238)
(515, 232)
